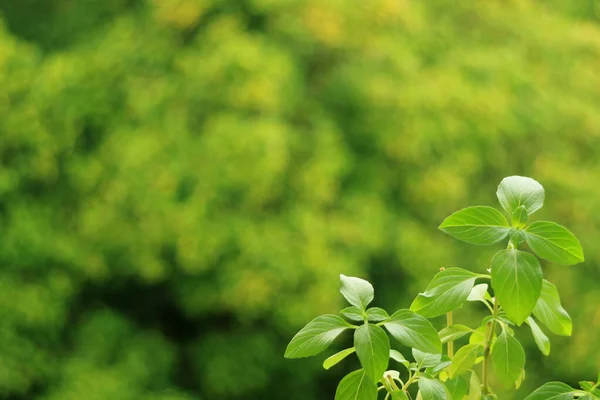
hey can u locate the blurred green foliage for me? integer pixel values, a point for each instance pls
(182, 181)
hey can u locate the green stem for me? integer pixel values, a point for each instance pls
(487, 344)
(450, 342)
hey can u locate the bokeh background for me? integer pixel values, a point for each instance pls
(183, 181)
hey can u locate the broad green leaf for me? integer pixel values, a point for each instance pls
(508, 358)
(337, 357)
(554, 242)
(478, 335)
(541, 340)
(479, 293)
(352, 313)
(474, 388)
(447, 291)
(457, 387)
(515, 191)
(454, 332)
(357, 291)
(373, 350)
(476, 225)
(316, 336)
(356, 386)
(426, 360)
(414, 331)
(397, 356)
(464, 359)
(520, 217)
(517, 282)
(553, 391)
(432, 389)
(444, 363)
(550, 312)
(399, 395)
(376, 314)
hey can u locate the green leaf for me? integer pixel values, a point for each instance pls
(376, 314)
(587, 386)
(479, 293)
(464, 359)
(399, 395)
(520, 379)
(553, 391)
(373, 350)
(352, 313)
(474, 388)
(356, 386)
(517, 282)
(478, 335)
(337, 357)
(516, 191)
(397, 356)
(508, 358)
(554, 242)
(476, 225)
(357, 291)
(414, 331)
(316, 336)
(520, 217)
(549, 311)
(426, 360)
(447, 291)
(541, 340)
(457, 387)
(432, 389)
(454, 332)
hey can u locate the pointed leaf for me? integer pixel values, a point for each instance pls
(399, 395)
(376, 314)
(447, 291)
(508, 358)
(550, 312)
(553, 391)
(356, 386)
(479, 293)
(515, 191)
(397, 356)
(554, 242)
(464, 359)
(357, 291)
(352, 313)
(454, 332)
(337, 357)
(457, 387)
(432, 389)
(517, 282)
(474, 388)
(426, 360)
(373, 350)
(541, 340)
(476, 225)
(316, 336)
(414, 331)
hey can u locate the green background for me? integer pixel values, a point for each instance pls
(183, 181)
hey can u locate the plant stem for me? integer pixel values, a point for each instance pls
(450, 342)
(489, 335)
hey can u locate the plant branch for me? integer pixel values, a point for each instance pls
(450, 342)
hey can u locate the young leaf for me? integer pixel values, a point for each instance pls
(426, 360)
(464, 359)
(520, 217)
(508, 358)
(516, 191)
(457, 387)
(397, 356)
(432, 389)
(474, 388)
(454, 332)
(352, 313)
(399, 395)
(478, 335)
(357, 291)
(541, 340)
(517, 282)
(337, 357)
(356, 386)
(554, 242)
(476, 225)
(373, 350)
(550, 312)
(479, 293)
(316, 336)
(553, 391)
(414, 331)
(376, 314)
(447, 291)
